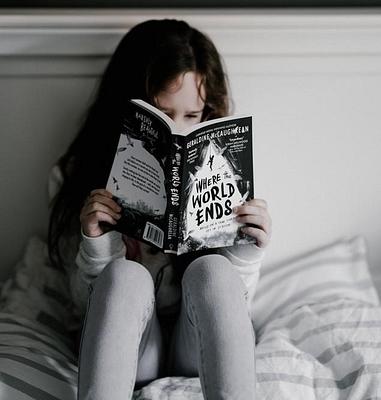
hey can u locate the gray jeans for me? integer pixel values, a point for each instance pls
(122, 346)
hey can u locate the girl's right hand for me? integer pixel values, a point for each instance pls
(98, 207)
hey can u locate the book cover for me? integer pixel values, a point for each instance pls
(137, 178)
(217, 176)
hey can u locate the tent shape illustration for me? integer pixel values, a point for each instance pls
(208, 212)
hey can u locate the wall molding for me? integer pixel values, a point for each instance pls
(79, 42)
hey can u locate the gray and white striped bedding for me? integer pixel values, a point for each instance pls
(330, 350)
(35, 362)
(324, 344)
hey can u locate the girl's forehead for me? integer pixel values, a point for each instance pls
(188, 79)
(185, 91)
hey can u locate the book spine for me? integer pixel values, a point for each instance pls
(174, 195)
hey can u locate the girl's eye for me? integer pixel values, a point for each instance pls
(191, 116)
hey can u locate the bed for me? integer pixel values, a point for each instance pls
(317, 319)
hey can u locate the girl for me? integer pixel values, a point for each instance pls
(146, 314)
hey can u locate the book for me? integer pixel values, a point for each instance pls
(176, 189)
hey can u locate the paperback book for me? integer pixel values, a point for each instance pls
(177, 190)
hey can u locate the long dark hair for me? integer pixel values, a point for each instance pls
(148, 57)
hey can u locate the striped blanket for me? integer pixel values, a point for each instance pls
(329, 350)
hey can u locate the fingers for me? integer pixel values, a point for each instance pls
(92, 220)
(251, 210)
(103, 196)
(254, 214)
(98, 200)
(102, 192)
(261, 237)
(99, 207)
(258, 220)
(255, 203)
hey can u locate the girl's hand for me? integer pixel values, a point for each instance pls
(98, 207)
(254, 213)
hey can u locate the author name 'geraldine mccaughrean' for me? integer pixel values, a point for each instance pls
(217, 134)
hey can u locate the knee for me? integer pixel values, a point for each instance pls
(211, 273)
(125, 278)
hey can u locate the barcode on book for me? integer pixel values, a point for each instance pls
(153, 234)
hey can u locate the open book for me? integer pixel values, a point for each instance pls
(177, 190)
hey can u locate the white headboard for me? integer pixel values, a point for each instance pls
(311, 78)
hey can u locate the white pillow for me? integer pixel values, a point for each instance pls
(337, 270)
(37, 291)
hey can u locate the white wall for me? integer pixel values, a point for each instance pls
(311, 78)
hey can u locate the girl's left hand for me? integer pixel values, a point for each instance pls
(254, 213)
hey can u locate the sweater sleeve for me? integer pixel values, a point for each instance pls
(247, 259)
(93, 255)
(96, 252)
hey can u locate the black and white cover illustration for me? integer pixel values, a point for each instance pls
(137, 177)
(218, 174)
